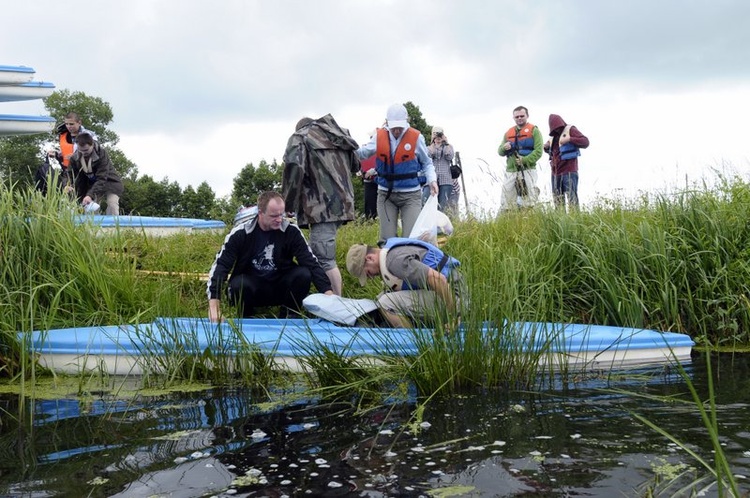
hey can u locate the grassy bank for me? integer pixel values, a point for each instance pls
(677, 263)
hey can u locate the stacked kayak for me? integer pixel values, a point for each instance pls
(16, 85)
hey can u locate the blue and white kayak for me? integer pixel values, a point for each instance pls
(26, 91)
(14, 75)
(137, 349)
(15, 124)
(151, 225)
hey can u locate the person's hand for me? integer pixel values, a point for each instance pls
(507, 146)
(87, 200)
(546, 146)
(214, 312)
(328, 293)
(434, 188)
(519, 161)
(370, 173)
(68, 189)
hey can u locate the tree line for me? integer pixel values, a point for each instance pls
(20, 156)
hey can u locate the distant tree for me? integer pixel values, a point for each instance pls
(417, 121)
(251, 181)
(223, 209)
(147, 197)
(197, 203)
(124, 166)
(19, 159)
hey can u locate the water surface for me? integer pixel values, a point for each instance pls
(581, 439)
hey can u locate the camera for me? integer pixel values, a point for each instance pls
(439, 134)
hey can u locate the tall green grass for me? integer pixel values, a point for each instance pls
(669, 263)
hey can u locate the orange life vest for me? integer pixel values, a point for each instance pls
(66, 148)
(522, 141)
(400, 170)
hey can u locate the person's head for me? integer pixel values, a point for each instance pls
(556, 124)
(85, 143)
(363, 262)
(270, 211)
(73, 123)
(520, 115)
(302, 123)
(397, 119)
(437, 134)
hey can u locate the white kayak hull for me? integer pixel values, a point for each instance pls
(26, 91)
(14, 124)
(15, 75)
(135, 350)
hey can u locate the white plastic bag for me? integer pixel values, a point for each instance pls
(425, 227)
(338, 309)
(444, 224)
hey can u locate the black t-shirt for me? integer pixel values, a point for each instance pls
(261, 253)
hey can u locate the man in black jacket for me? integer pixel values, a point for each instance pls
(260, 255)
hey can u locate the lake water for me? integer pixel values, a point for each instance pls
(576, 440)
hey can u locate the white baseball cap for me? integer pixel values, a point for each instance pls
(397, 117)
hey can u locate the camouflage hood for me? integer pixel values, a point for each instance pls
(319, 160)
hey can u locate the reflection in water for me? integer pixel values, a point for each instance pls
(577, 439)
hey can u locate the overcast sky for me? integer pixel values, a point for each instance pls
(200, 89)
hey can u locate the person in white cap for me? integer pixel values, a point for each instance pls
(400, 158)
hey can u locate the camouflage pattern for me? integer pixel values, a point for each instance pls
(318, 164)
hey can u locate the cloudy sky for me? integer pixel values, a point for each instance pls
(200, 89)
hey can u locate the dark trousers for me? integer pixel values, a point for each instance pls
(371, 200)
(287, 289)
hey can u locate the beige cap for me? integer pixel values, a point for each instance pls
(355, 262)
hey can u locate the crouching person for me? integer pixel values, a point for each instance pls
(422, 283)
(94, 176)
(260, 254)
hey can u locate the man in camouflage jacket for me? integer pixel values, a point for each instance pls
(319, 160)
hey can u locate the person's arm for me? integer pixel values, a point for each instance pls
(219, 272)
(437, 282)
(295, 159)
(105, 172)
(504, 148)
(578, 139)
(368, 150)
(428, 168)
(530, 160)
(448, 152)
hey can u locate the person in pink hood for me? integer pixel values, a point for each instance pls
(563, 149)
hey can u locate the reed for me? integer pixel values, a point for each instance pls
(665, 262)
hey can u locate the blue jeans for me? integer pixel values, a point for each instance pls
(565, 185)
(444, 195)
